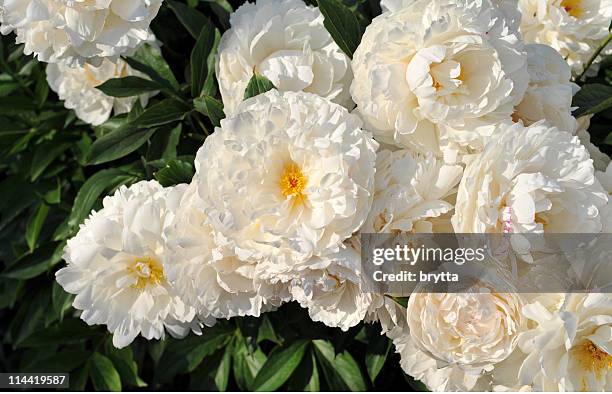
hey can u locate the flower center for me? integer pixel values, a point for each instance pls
(293, 182)
(592, 358)
(573, 7)
(148, 271)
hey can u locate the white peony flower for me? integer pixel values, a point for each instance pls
(78, 31)
(472, 330)
(412, 193)
(115, 266)
(573, 27)
(570, 347)
(207, 276)
(330, 286)
(77, 87)
(285, 41)
(530, 179)
(436, 75)
(436, 375)
(550, 91)
(288, 177)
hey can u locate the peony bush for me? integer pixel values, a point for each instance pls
(185, 184)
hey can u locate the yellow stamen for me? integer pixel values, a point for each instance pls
(573, 7)
(293, 183)
(149, 272)
(593, 359)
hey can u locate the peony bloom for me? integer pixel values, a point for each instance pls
(288, 177)
(207, 276)
(530, 179)
(330, 286)
(77, 87)
(550, 91)
(573, 27)
(436, 375)
(569, 347)
(471, 330)
(115, 266)
(412, 193)
(285, 41)
(437, 75)
(78, 31)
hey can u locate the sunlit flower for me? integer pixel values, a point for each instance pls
(437, 75)
(412, 193)
(288, 177)
(78, 31)
(285, 41)
(550, 92)
(207, 276)
(115, 266)
(572, 27)
(530, 179)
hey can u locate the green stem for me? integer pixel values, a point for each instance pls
(600, 48)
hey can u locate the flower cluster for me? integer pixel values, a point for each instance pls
(451, 116)
(82, 40)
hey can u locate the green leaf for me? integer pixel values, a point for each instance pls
(222, 9)
(92, 189)
(246, 364)
(202, 57)
(45, 155)
(163, 144)
(35, 225)
(281, 363)
(123, 360)
(210, 107)
(592, 99)
(342, 25)
(266, 331)
(149, 60)
(185, 355)
(103, 374)
(33, 264)
(78, 378)
(129, 86)
(341, 371)
(192, 19)
(61, 300)
(213, 374)
(164, 112)
(61, 362)
(376, 355)
(175, 172)
(257, 85)
(306, 377)
(66, 332)
(118, 144)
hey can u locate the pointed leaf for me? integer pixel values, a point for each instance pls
(103, 374)
(128, 86)
(210, 107)
(281, 363)
(257, 85)
(342, 25)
